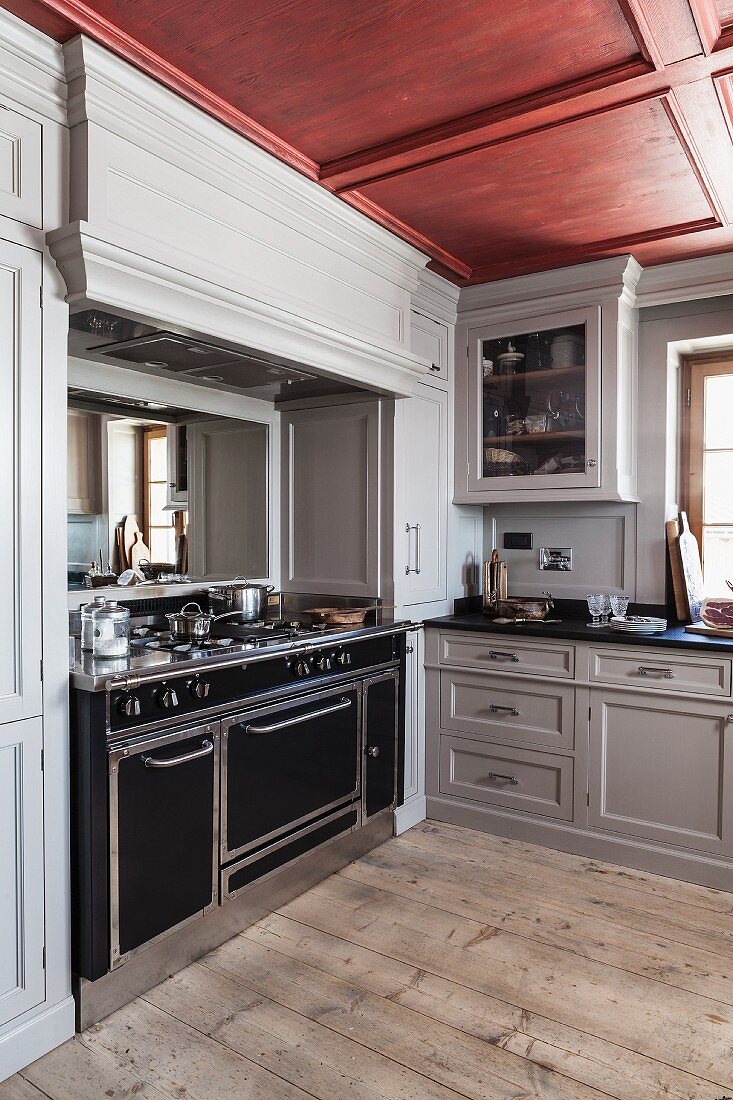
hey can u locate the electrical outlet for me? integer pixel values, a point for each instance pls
(556, 558)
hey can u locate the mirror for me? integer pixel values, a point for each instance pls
(185, 493)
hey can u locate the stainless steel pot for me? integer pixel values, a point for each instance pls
(240, 595)
(194, 625)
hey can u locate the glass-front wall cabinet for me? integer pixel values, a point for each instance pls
(533, 403)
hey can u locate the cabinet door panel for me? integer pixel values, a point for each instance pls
(22, 976)
(422, 494)
(330, 500)
(84, 469)
(20, 168)
(429, 339)
(20, 499)
(661, 769)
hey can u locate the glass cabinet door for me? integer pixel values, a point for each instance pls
(533, 403)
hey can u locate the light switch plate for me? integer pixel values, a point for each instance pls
(556, 558)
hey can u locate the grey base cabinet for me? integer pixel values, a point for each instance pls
(662, 770)
(618, 752)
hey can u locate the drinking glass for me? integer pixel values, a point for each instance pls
(598, 605)
(619, 606)
(605, 608)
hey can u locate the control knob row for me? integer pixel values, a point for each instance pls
(166, 697)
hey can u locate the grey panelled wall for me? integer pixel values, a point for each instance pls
(330, 521)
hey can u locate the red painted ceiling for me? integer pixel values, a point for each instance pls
(500, 137)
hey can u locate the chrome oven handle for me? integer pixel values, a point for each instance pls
(207, 747)
(343, 704)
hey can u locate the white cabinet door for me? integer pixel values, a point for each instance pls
(22, 974)
(662, 769)
(421, 497)
(177, 453)
(20, 499)
(84, 463)
(330, 500)
(429, 339)
(20, 168)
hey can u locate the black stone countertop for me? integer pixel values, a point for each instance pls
(578, 630)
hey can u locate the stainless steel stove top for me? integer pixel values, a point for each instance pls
(229, 638)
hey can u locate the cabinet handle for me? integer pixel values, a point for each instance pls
(373, 751)
(502, 655)
(206, 748)
(509, 778)
(496, 709)
(435, 366)
(343, 704)
(416, 528)
(667, 673)
(592, 463)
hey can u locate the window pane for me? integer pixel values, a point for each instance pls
(156, 502)
(158, 458)
(719, 411)
(717, 548)
(162, 543)
(717, 481)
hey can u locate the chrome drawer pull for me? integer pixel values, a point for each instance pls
(501, 655)
(206, 749)
(667, 673)
(496, 709)
(509, 778)
(343, 704)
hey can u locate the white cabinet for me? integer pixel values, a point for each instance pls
(22, 971)
(20, 462)
(330, 499)
(662, 769)
(84, 470)
(429, 338)
(421, 497)
(546, 379)
(20, 168)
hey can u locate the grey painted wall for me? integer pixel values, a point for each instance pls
(622, 546)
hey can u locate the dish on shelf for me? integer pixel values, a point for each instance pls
(638, 624)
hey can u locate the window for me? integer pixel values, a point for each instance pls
(708, 467)
(160, 532)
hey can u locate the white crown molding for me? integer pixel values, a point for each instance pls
(110, 92)
(31, 68)
(97, 269)
(436, 296)
(615, 278)
(686, 280)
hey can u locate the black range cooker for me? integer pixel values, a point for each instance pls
(199, 772)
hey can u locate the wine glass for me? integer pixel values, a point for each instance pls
(619, 606)
(598, 605)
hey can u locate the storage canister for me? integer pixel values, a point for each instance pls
(111, 630)
(87, 627)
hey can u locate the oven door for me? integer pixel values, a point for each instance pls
(164, 806)
(286, 764)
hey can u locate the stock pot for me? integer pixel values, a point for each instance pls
(250, 600)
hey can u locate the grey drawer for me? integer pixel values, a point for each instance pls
(508, 777)
(501, 708)
(505, 653)
(665, 670)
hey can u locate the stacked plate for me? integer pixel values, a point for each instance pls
(638, 624)
(568, 350)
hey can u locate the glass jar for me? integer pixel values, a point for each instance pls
(87, 627)
(111, 630)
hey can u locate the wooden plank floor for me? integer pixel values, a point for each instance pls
(444, 964)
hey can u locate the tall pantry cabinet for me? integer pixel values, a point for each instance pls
(36, 1010)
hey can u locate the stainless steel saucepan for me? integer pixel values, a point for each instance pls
(191, 624)
(250, 600)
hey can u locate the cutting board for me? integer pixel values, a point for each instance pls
(691, 568)
(672, 528)
(711, 631)
(139, 552)
(130, 532)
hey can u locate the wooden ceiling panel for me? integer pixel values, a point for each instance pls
(330, 78)
(585, 187)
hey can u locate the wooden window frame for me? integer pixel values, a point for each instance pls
(152, 432)
(694, 372)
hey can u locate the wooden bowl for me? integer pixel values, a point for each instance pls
(338, 616)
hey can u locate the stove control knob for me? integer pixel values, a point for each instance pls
(167, 698)
(373, 751)
(344, 658)
(302, 668)
(129, 706)
(199, 688)
(324, 663)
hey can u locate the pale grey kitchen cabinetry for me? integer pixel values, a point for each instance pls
(330, 508)
(177, 458)
(429, 338)
(662, 769)
(84, 457)
(621, 752)
(20, 168)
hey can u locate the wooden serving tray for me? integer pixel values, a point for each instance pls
(711, 631)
